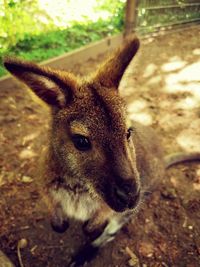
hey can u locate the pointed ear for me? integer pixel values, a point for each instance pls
(110, 73)
(46, 83)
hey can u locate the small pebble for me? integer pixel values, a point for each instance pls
(133, 263)
(169, 193)
(22, 243)
(27, 179)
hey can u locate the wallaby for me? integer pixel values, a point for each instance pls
(98, 165)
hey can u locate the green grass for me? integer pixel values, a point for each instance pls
(50, 44)
(37, 42)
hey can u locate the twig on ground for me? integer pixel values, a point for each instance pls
(22, 243)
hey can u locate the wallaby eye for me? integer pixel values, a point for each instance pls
(81, 142)
(128, 134)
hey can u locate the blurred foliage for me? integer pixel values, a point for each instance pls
(18, 18)
(118, 11)
(40, 29)
(24, 30)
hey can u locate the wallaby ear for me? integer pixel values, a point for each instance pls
(110, 73)
(45, 82)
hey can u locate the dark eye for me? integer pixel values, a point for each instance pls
(81, 142)
(128, 134)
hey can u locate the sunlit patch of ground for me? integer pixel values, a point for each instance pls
(172, 80)
(189, 138)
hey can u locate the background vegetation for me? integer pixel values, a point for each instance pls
(41, 29)
(35, 31)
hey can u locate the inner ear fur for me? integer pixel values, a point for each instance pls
(111, 71)
(53, 87)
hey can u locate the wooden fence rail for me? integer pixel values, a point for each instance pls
(181, 5)
(135, 23)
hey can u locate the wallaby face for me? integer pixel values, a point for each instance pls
(90, 139)
(92, 142)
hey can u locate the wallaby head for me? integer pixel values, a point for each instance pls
(90, 140)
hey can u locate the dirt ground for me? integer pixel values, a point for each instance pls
(162, 89)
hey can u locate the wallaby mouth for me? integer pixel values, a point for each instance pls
(124, 197)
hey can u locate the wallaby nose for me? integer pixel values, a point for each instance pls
(121, 195)
(127, 194)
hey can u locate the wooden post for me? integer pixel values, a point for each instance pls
(130, 19)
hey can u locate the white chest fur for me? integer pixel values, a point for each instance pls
(77, 206)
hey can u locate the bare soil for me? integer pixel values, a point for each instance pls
(162, 89)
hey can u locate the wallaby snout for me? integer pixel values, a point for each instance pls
(123, 194)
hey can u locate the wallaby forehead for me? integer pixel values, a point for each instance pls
(99, 110)
(109, 106)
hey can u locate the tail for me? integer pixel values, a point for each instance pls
(181, 157)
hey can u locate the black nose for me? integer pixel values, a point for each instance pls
(121, 194)
(127, 194)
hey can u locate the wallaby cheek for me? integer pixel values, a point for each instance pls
(72, 160)
(68, 157)
(132, 158)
